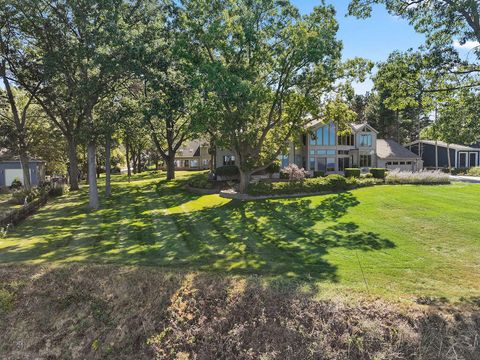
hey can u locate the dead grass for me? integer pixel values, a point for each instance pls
(97, 312)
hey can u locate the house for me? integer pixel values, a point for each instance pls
(320, 148)
(460, 156)
(391, 155)
(193, 155)
(11, 169)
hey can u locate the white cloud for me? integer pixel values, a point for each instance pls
(469, 45)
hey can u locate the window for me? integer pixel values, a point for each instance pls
(343, 152)
(320, 136)
(205, 162)
(332, 135)
(365, 140)
(343, 163)
(283, 160)
(194, 163)
(312, 152)
(330, 164)
(348, 140)
(331, 152)
(322, 152)
(229, 160)
(312, 164)
(313, 139)
(322, 164)
(365, 160)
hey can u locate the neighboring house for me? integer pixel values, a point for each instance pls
(193, 155)
(391, 155)
(460, 156)
(11, 169)
(322, 149)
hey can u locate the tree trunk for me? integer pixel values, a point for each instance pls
(448, 157)
(170, 162)
(107, 166)
(127, 155)
(134, 161)
(92, 178)
(436, 154)
(244, 181)
(73, 163)
(139, 162)
(26, 170)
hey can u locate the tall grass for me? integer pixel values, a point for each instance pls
(420, 177)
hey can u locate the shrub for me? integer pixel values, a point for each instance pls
(21, 196)
(420, 177)
(352, 172)
(16, 184)
(459, 171)
(378, 173)
(317, 174)
(474, 171)
(273, 168)
(58, 190)
(200, 181)
(336, 182)
(294, 173)
(227, 171)
(366, 176)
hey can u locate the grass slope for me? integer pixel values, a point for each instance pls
(398, 241)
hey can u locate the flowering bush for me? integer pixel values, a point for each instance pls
(474, 171)
(420, 177)
(294, 173)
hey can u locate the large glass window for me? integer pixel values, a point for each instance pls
(312, 164)
(194, 163)
(330, 164)
(284, 160)
(348, 140)
(320, 136)
(366, 140)
(322, 164)
(343, 163)
(332, 135)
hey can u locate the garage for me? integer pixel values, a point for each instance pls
(391, 155)
(12, 174)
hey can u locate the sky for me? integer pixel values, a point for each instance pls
(373, 38)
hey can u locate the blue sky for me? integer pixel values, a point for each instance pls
(374, 38)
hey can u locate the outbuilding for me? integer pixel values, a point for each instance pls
(11, 169)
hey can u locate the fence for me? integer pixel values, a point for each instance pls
(15, 216)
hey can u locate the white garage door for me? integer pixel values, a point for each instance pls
(12, 174)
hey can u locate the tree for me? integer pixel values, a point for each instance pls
(77, 50)
(14, 123)
(267, 65)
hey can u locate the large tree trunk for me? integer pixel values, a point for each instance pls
(107, 166)
(170, 162)
(26, 170)
(73, 163)
(134, 161)
(92, 178)
(245, 177)
(127, 155)
(139, 161)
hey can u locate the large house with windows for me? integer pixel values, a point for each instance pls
(322, 149)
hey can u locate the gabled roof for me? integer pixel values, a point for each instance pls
(390, 149)
(355, 127)
(444, 144)
(190, 149)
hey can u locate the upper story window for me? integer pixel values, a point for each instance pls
(229, 160)
(366, 140)
(346, 140)
(324, 136)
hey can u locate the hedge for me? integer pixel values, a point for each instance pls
(327, 184)
(227, 170)
(317, 174)
(352, 172)
(378, 173)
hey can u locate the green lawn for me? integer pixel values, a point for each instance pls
(397, 241)
(5, 204)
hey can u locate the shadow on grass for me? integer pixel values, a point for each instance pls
(289, 238)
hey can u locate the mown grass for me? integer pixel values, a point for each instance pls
(396, 241)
